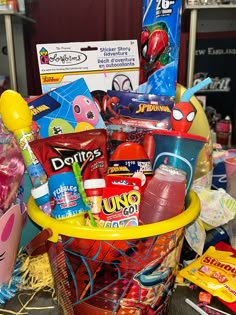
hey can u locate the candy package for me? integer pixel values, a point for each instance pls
(215, 272)
(226, 247)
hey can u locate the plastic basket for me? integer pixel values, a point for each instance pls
(104, 271)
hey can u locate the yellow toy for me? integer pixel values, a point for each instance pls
(17, 118)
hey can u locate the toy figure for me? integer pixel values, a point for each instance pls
(182, 116)
(184, 112)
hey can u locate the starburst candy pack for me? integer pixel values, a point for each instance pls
(215, 272)
(160, 46)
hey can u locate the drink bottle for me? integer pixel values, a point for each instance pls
(94, 191)
(66, 201)
(164, 196)
(42, 198)
(130, 159)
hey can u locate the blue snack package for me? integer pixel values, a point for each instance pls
(160, 40)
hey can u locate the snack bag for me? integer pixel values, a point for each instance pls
(88, 148)
(215, 272)
(226, 247)
(57, 155)
(121, 201)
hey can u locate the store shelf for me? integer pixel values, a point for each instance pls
(16, 14)
(209, 6)
(8, 20)
(194, 8)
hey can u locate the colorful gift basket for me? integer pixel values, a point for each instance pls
(103, 256)
(115, 271)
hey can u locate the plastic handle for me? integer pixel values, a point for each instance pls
(37, 245)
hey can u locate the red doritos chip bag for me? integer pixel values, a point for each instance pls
(88, 148)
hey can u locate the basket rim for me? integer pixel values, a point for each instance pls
(59, 227)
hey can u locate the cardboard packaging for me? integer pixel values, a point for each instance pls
(104, 65)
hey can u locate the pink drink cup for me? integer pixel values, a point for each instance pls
(230, 162)
(164, 196)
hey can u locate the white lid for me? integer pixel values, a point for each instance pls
(40, 191)
(94, 183)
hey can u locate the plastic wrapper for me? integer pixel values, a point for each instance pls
(215, 272)
(217, 208)
(195, 235)
(11, 169)
(88, 148)
(231, 185)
